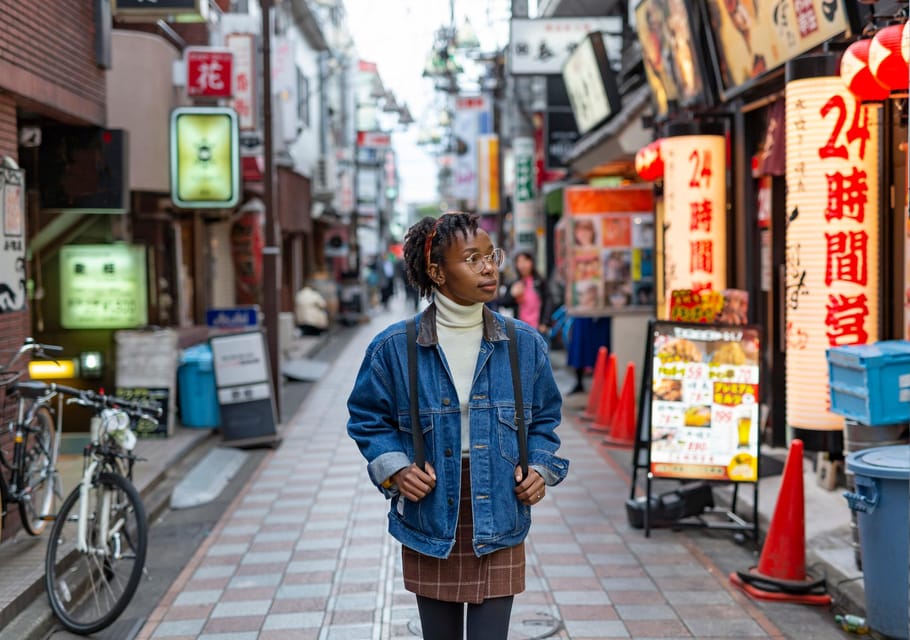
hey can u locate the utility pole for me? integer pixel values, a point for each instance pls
(272, 250)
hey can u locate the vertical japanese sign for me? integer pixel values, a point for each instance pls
(832, 269)
(524, 214)
(695, 197)
(12, 251)
(705, 402)
(472, 118)
(488, 183)
(205, 157)
(243, 47)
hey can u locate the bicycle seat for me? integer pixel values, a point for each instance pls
(30, 388)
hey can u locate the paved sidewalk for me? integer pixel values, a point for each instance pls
(302, 553)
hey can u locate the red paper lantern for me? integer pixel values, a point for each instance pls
(855, 72)
(905, 43)
(886, 62)
(649, 164)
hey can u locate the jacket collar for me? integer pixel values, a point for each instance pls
(426, 336)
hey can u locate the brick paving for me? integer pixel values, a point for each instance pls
(302, 553)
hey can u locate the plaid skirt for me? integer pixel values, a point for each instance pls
(463, 577)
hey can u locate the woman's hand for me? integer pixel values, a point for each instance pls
(517, 290)
(414, 483)
(530, 490)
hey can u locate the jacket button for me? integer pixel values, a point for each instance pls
(448, 453)
(446, 402)
(451, 501)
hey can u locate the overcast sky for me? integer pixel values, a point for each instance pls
(397, 35)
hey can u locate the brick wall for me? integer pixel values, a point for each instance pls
(13, 326)
(48, 57)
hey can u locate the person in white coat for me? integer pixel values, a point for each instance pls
(310, 311)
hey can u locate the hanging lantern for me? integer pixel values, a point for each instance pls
(649, 164)
(886, 61)
(855, 72)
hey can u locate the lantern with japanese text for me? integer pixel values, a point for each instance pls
(858, 78)
(695, 205)
(831, 270)
(649, 164)
(888, 65)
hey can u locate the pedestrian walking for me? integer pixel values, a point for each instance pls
(463, 516)
(528, 295)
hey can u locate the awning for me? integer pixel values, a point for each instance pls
(618, 140)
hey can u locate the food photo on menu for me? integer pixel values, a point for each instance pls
(704, 402)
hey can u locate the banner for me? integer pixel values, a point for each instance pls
(472, 118)
(12, 249)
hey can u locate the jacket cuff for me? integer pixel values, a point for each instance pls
(553, 470)
(384, 466)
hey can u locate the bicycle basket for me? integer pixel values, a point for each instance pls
(115, 426)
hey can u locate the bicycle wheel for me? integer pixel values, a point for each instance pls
(38, 481)
(89, 589)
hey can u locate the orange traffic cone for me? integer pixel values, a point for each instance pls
(608, 398)
(597, 385)
(622, 433)
(781, 571)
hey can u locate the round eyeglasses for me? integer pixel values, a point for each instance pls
(476, 261)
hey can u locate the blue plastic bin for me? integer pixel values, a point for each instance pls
(196, 387)
(881, 502)
(870, 383)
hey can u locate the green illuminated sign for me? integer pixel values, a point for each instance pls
(103, 286)
(205, 157)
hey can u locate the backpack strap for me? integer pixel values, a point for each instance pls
(416, 431)
(519, 400)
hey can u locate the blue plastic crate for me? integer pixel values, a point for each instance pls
(870, 383)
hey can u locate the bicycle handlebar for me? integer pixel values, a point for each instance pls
(29, 344)
(93, 399)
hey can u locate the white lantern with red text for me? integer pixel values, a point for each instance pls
(857, 77)
(831, 270)
(695, 207)
(886, 61)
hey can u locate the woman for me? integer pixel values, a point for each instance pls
(527, 295)
(463, 519)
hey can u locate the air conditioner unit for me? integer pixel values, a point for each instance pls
(325, 180)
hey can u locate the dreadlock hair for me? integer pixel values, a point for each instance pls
(427, 240)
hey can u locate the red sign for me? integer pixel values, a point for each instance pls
(373, 139)
(209, 72)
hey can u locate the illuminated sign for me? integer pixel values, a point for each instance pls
(205, 157)
(695, 200)
(832, 267)
(590, 84)
(103, 286)
(180, 10)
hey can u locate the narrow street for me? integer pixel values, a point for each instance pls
(301, 551)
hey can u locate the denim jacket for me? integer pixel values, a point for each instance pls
(380, 424)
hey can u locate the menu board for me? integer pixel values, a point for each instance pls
(705, 401)
(609, 249)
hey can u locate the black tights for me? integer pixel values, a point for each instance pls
(488, 620)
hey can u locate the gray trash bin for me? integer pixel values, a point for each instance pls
(882, 478)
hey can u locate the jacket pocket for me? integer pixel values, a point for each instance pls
(407, 438)
(507, 429)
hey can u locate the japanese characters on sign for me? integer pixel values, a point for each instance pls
(542, 46)
(705, 402)
(749, 42)
(609, 248)
(243, 47)
(591, 84)
(832, 269)
(473, 117)
(103, 286)
(209, 72)
(12, 244)
(695, 195)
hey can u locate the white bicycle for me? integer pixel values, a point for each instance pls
(97, 547)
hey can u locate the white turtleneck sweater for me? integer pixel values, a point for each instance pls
(460, 330)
